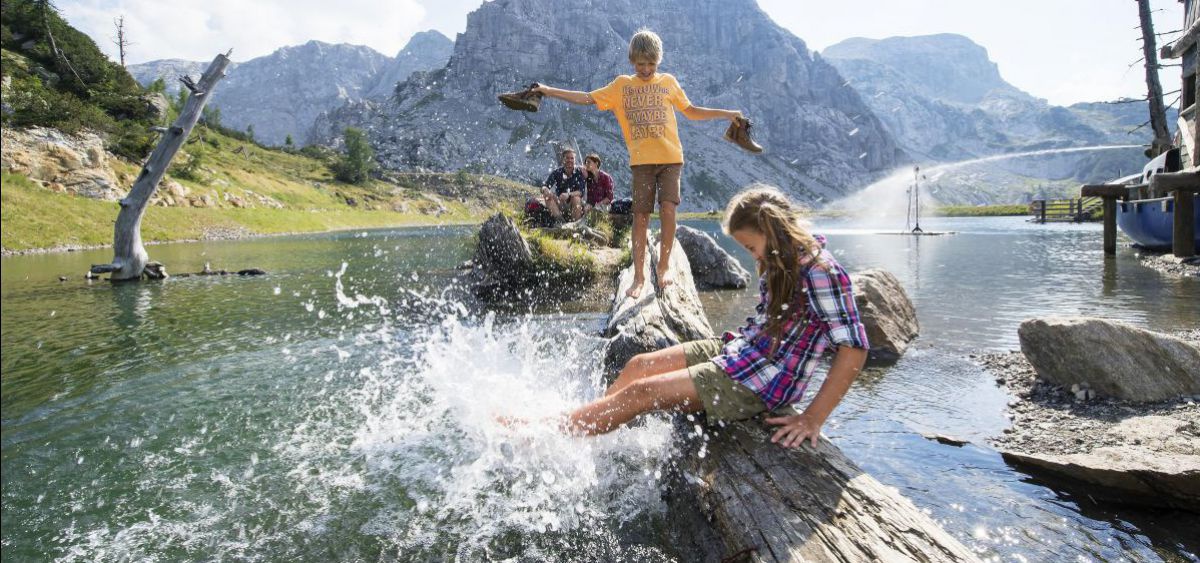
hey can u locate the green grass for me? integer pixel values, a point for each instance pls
(982, 210)
(561, 261)
(35, 217)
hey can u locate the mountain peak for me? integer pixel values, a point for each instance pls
(946, 66)
(822, 139)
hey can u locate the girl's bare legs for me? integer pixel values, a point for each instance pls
(638, 368)
(669, 391)
(648, 364)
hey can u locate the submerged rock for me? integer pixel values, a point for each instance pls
(887, 313)
(1113, 359)
(711, 265)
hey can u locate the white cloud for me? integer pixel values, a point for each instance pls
(174, 29)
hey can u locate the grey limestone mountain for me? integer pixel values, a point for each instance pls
(822, 140)
(945, 100)
(170, 70)
(282, 93)
(426, 50)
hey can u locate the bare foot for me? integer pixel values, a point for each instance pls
(664, 276)
(635, 290)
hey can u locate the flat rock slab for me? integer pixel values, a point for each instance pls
(768, 503)
(1125, 474)
(1157, 465)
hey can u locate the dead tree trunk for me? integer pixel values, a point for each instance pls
(130, 259)
(1158, 113)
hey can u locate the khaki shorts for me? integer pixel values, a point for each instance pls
(723, 398)
(651, 178)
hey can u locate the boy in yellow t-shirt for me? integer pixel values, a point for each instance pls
(645, 105)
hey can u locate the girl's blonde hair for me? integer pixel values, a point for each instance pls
(789, 247)
(645, 44)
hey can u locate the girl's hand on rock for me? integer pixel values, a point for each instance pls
(795, 429)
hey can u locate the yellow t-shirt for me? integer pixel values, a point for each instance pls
(645, 110)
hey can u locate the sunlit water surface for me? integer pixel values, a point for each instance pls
(342, 407)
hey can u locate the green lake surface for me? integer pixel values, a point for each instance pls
(342, 407)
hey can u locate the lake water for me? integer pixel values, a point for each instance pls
(341, 407)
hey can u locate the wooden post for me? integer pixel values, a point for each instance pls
(129, 255)
(1183, 232)
(1108, 194)
(1110, 226)
(1042, 211)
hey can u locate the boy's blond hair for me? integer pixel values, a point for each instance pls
(646, 45)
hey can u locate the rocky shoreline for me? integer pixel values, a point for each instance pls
(1050, 419)
(1168, 264)
(1128, 452)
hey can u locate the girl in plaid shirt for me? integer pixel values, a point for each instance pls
(806, 307)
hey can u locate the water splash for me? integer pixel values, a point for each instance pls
(885, 200)
(381, 442)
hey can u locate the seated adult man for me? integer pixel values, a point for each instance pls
(599, 184)
(564, 188)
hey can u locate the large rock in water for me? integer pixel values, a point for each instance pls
(1113, 359)
(711, 265)
(654, 321)
(502, 257)
(1167, 475)
(886, 311)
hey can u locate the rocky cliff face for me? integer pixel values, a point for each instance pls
(945, 101)
(426, 50)
(281, 94)
(821, 139)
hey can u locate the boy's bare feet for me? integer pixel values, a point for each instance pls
(635, 290)
(665, 277)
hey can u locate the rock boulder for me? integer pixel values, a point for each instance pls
(711, 265)
(1113, 359)
(76, 164)
(887, 312)
(502, 255)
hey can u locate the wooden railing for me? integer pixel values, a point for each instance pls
(1065, 210)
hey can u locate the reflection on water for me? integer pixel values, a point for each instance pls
(341, 407)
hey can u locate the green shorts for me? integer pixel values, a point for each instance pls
(723, 398)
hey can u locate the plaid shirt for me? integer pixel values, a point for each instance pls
(829, 318)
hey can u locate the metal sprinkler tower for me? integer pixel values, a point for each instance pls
(916, 198)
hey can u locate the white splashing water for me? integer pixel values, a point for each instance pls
(886, 199)
(398, 436)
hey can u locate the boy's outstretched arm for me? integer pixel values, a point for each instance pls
(697, 112)
(573, 96)
(795, 429)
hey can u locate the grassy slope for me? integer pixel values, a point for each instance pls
(35, 217)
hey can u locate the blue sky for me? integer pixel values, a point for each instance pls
(1063, 50)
